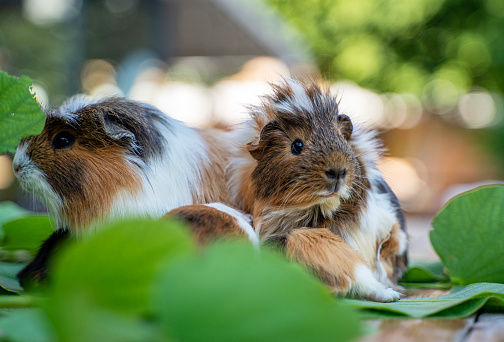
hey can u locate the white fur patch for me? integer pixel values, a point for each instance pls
(366, 286)
(68, 109)
(170, 181)
(242, 220)
(369, 149)
(376, 222)
(298, 101)
(32, 179)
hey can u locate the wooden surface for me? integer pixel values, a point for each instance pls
(481, 327)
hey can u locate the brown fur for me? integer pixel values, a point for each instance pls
(89, 174)
(272, 176)
(392, 261)
(214, 175)
(326, 254)
(208, 223)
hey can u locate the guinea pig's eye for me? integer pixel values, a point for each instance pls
(297, 146)
(62, 140)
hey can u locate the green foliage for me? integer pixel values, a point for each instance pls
(423, 272)
(462, 303)
(468, 236)
(8, 280)
(270, 301)
(146, 281)
(20, 230)
(116, 267)
(27, 233)
(401, 46)
(426, 275)
(27, 325)
(20, 114)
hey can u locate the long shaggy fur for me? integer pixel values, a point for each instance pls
(332, 183)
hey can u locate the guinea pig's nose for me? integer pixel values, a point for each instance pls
(331, 174)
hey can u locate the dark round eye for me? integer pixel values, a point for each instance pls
(62, 140)
(297, 147)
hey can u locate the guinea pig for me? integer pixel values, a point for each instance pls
(310, 179)
(101, 159)
(97, 160)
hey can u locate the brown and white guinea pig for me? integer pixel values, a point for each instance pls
(310, 179)
(97, 160)
(114, 157)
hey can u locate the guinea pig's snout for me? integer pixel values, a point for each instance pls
(333, 174)
(334, 177)
(18, 169)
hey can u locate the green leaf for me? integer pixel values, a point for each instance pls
(8, 279)
(462, 303)
(20, 114)
(231, 293)
(112, 271)
(90, 321)
(27, 233)
(28, 325)
(468, 236)
(10, 211)
(425, 272)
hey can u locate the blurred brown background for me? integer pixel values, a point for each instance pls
(426, 73)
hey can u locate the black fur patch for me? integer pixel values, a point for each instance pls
(140, 119)
(35, 273)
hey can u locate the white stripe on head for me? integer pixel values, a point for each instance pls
(68, 109)
(298, 101)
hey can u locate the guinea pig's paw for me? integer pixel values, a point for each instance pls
(385, 295)
(366, 286)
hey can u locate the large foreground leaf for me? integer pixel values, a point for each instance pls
(102, 287)
(468, 236)
(20, 114)
(232, 294)
(462, 303)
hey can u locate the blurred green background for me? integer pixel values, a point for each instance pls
(427, 73)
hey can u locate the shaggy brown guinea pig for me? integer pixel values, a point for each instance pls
(114, 158)
(310, 179)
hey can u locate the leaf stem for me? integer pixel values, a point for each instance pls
(16, 302)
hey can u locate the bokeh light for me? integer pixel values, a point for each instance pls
(477, 109)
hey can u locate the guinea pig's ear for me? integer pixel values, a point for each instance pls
(345, 126)
(256, 149)
(121, 135)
